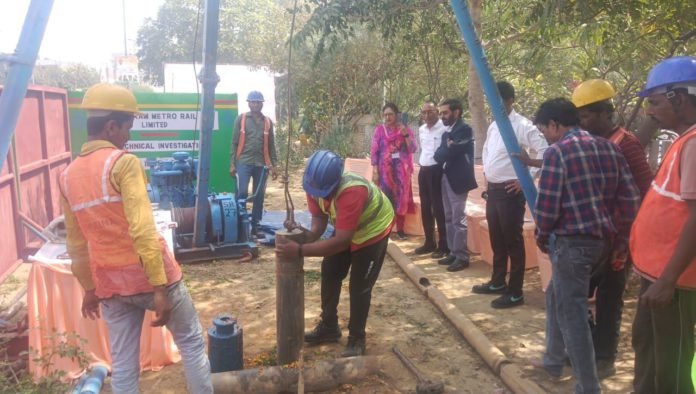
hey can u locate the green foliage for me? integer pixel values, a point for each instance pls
(297, 152)
(340, 141)
(66, 346)
(543, 47)
(350, 56)
(76, 76)
(250, 33)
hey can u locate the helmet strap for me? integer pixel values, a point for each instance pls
(676, 101)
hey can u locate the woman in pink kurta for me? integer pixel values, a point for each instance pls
(393, 145)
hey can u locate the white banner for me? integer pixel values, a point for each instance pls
(170, 120)
(162, 146)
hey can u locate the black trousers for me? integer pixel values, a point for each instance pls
(610, 286)
(432, 211)
(505, 216)
(663, 339)
(364, 265)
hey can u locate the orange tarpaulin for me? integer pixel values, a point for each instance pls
(54, 299)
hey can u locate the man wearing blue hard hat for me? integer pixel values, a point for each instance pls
(363, 217)
(253, 148)
(663, 239)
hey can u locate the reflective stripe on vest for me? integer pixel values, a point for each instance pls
(266, 133)
(377, 215)
(105, 197)
(618, 136)
(98, 207)
(661, 219)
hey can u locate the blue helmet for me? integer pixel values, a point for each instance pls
(678, 70)
(322, 173)
(255, 95)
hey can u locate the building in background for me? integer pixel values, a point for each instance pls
(234, 78)
(122, 69)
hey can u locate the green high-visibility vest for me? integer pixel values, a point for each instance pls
(377, 215)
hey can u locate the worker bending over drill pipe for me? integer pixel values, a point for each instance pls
(117, 255)
(363, 217)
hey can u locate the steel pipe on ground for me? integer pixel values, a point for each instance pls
(494, 357)
(322, 376)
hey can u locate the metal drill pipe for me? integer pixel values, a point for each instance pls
(289, 301)
(209, 79)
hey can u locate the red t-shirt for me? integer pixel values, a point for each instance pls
(635, 157)
(349, 206)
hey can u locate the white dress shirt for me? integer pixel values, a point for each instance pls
(497, 165)
(429, 138)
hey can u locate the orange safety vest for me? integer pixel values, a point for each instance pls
(98, 207)
(661, 219)
(266, 133)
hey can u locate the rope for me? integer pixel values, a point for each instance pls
(289, 206)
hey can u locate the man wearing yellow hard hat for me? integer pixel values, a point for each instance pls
(593, 98)
(117, 254)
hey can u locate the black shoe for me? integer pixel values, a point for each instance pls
(438, 254)
(447, 260)
(605, 369)
(424, 249)
(458, 265)
(507, 301)
(401, 235)
(489, 288)
(323, 333)
(355, 347)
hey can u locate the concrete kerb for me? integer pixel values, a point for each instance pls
(509, 372)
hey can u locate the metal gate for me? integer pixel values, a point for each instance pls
(28, 181)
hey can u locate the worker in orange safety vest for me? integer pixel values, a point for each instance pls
(663, 239)
(253, 148)
(118, 256)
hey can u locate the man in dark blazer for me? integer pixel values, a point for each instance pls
(456, 154)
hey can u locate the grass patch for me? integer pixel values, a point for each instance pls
(312, 276)
(264, 359)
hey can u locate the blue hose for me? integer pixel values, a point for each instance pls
(461, 12)
(95, 380)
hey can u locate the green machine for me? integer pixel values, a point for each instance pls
(169, 124)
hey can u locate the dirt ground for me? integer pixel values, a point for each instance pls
(400, 315)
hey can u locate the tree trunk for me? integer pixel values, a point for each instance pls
(477, 107)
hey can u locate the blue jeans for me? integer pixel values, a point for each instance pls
(246, 172)
(124, 317)
(573, 259)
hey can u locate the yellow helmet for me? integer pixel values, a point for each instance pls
(592, 91)
(109, 97)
